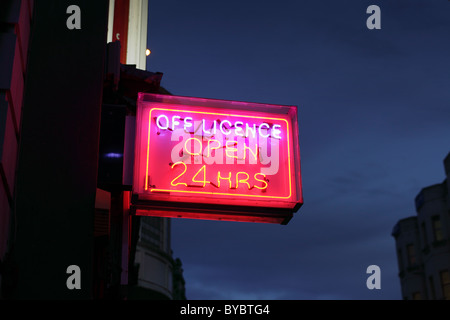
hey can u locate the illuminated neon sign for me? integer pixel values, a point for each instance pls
(215, 159)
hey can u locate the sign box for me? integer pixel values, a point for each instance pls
(216, 159)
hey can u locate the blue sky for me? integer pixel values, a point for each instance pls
(374, 115)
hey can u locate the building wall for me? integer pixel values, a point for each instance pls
(154, 256)
(447, 170)
(429, 232)
(48, 178)
(434, 222)
(410, 262)
(15, 22)
(58, 152)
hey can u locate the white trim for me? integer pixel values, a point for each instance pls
(110, 21)
(137, 33)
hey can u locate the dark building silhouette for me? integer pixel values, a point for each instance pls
(423, 244)
(179, 290)
(66, 142)
(151, 266)
(15, 27)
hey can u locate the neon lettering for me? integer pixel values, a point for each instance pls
(242, 181)
(238, 129)
(251, 151)
(219, 177)
(276, 131)
(263, 181)
(204, 171)
(209, 148)
(242, 177)
(228, 148)
(167, 122)
(187, 124)
(189, 151)
(263, 130)
(175, 122)
(185, 168)
(221, 127)
(204, 176)
(260, 127)
(203, 127)
(253, 130)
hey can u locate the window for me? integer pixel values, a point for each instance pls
(424, 233)
(417, 296)
(411, 255)
(437, 228)
(432, 292)
(445, 283)
(400, 260)
(151, 231)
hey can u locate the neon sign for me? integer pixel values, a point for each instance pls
(215, 159)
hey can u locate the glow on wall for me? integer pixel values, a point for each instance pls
(216, 159)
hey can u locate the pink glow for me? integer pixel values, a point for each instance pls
(217, 153)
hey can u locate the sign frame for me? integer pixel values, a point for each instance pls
(159, 115)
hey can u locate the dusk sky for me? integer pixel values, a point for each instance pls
(374, 121)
